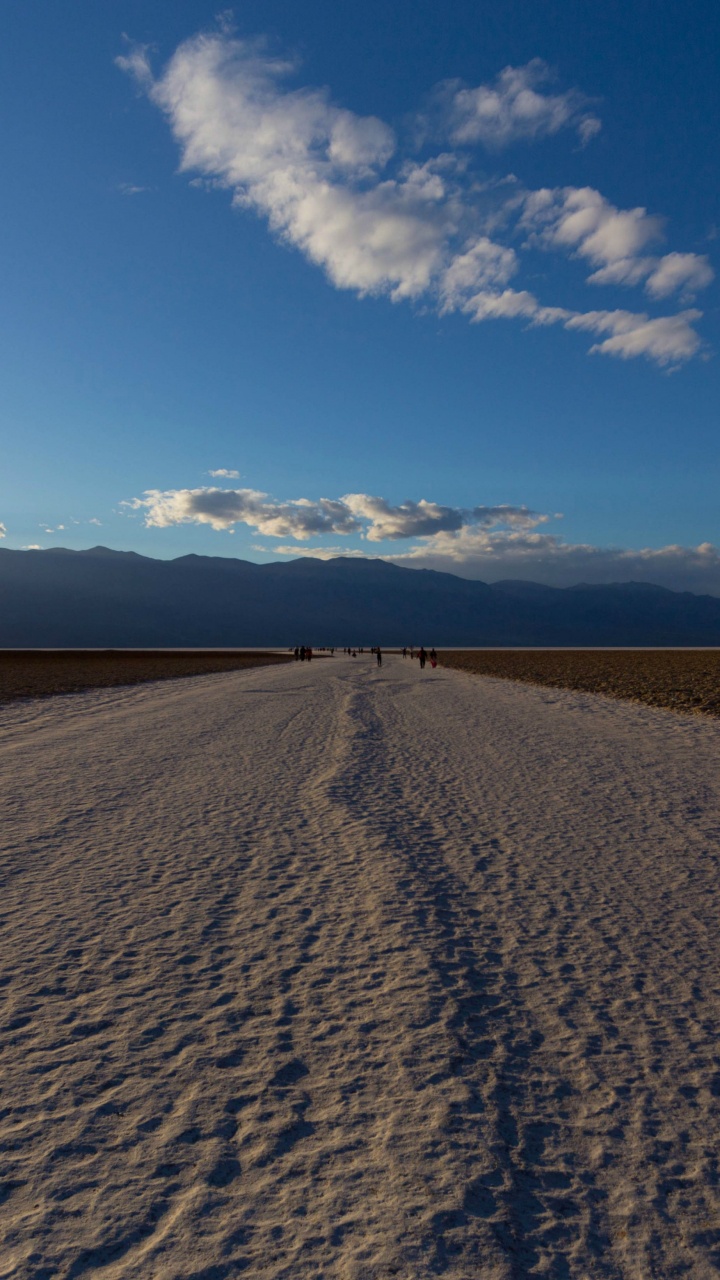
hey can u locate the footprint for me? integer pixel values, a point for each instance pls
(289, 1073)
(226, 1171)
(232, 1059)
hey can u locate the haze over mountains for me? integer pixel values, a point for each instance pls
(105, 598)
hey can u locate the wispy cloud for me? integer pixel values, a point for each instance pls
(544, 558)
(226, 473)
(335, 185)
(3, 530)
(685, 273)
(668, 340)
(548, 558)
(136, 62)
(317, 553)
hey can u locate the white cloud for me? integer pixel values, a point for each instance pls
(302, 518)
(31, 546)
(226, 473)
(316, 172)
(420, 519)
(223, 508)
(513, 109)
(687, 272)
(331, 183)
(668, 339)
(623, 271)
(581, 220)
(513, 304)
(484, 265)
(3, 530)
(309, 166)
(683, 273)
(94, 520)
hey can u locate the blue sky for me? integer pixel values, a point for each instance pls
(437, 282)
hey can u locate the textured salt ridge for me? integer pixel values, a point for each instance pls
(326, 971)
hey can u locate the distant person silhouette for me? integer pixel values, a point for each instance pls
(378, 652)
(423, 658)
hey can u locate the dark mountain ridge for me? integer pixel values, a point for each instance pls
(118, 599)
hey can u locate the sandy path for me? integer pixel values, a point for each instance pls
(330, 972)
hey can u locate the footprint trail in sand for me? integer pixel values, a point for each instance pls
(324, 971)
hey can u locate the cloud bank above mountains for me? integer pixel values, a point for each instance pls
(483, 542)
(420, 226)
(548, 558)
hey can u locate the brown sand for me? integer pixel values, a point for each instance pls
(35, 673)
(683, 679)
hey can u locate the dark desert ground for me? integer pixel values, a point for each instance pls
(681, 679)
(37, 673)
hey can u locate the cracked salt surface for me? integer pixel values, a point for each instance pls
(324, 971)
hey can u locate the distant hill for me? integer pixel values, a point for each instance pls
(114, 599)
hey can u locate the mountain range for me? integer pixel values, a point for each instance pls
(102, 598)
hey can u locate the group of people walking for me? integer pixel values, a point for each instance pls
(422, 655)
(303, 653)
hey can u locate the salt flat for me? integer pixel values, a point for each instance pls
(324, 971)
